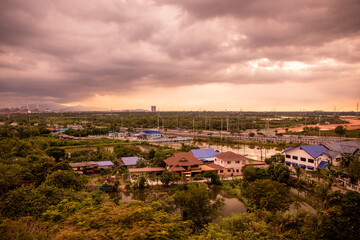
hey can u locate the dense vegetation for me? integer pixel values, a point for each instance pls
(41, 197)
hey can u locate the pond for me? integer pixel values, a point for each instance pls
(232, 204)
(253, 152)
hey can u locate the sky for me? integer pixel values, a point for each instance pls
(182, 55)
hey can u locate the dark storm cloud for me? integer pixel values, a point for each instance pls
(72, 50)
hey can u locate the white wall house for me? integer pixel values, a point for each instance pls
(231, 162)
(308, 157)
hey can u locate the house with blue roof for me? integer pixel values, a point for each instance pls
(308, 157)
(150, 134)
(128, 162)
(105, 164)
(205, 155)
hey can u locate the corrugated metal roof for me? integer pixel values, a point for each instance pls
(204, 153)
(150, 132)
(289, 148)
(128, 161)
(314, 150)
(105, 163)
(323, 164)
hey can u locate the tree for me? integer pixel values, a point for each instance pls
(251, 173)
(268, 195)
(251, 134)
(341, 220)
(297, 171)
(166, 178)
(214, 177)
(279, 172)
(340, 130)
(64, 179)
(141, 163)
(57, 153)
(126, 151)
(354, 170)
(141, 182)
(196, 203)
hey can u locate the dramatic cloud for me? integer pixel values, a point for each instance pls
(114, 53)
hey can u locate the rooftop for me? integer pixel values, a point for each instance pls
(105, 163)
(204, 154)
(129, 161)
(140, 170)
(231, 156)
(150, 132)
(182, 159)
(314, 150)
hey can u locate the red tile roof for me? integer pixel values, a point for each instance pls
(231, 156)
(154, 169)
(176, 169)
(182, 159)
(215, 166)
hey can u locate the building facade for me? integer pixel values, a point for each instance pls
(229, 163)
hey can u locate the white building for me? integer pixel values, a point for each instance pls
(231, 163)
(308, 156)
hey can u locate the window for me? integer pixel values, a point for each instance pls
(221, 171)
(237, 162)
(237, 170)
(303, 159)
(288, 156)
(229, 170)
(295, 157)
(228, 162)
(288, 163)
(311, 160)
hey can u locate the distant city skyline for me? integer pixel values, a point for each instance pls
(182, 55)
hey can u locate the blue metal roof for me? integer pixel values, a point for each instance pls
(323, 164)
(204, 154)
(129, 160)
(289, 148)
(150, 132)
(314, 150)
(105, 163)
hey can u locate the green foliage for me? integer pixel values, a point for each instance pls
(275, 158)
(354, 170)
(279, 172)
(251, 174)
(141, 163)
(166, 178)
(214, 177)
(141, 182)
(197, 204)
(28, 200)
(64, 179)
(341, 220)
(251, 134)
(268, 195)
(135, 220)
(340, 130)
(187, 148)
(238, 226)
(56, 153)
(126, 151)
(86, 132)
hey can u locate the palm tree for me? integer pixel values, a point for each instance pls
(318, 173)
(297, 171)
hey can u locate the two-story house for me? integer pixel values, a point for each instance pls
(307, 156)
(184, 163)
(229, 163)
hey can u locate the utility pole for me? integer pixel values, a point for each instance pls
(193, 128)
(227, 123)
(221, 128)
